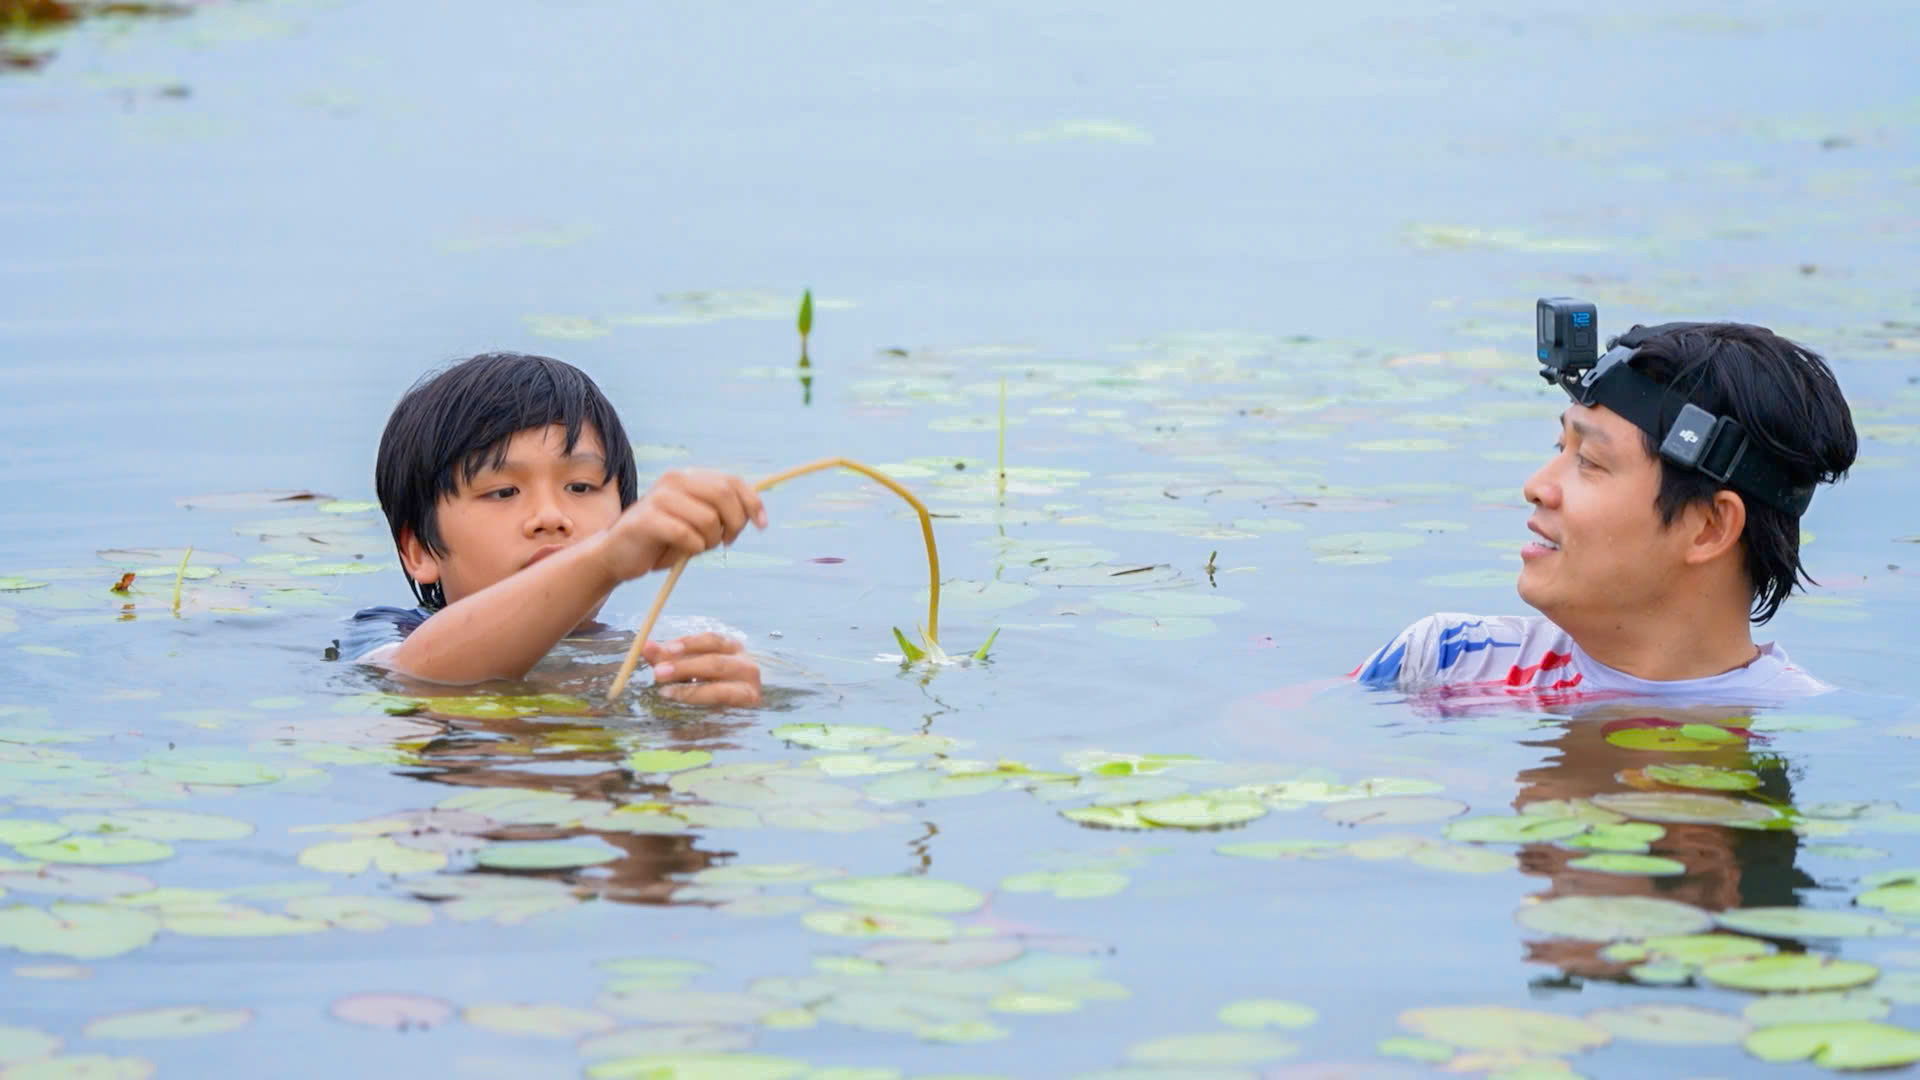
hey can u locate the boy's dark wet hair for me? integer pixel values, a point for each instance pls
(456, 422)
(1788, 401)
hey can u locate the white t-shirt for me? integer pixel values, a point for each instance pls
(1500, 657)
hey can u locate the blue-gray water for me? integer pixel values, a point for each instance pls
(1254, 277)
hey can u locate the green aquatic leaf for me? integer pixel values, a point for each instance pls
(1392, 810)
(29, 831)
(1427, 1050)
(97, 850)
(683, 1038)
(906, 894)
(981, 652)
(185, 1021)
(82, 1067)
(1201, 811)
(235, 921)
(920, 786)
(545, 854)
(1708, 777)
(1503, 1028)
(697, 1066)
(837, 737)
(214, 772)
(1672, 1025)
(1068, 884)
(1612, 918)
(1839, 1044)
(666, 761)
(1637, 865)
(25, 1044)
(1631, 836)
(1685, 807)
(160, 825)
(20, 584)
(1107, 817)
(366, 914)
(1514, 829)
(766, 874)
(83, 882)
(77, 930)
(1256, 1013)
(1166, 628)
(1214, 1048)
(1460, 859)
(372, 852)
(1801, 971)
(1674, 740)
(879, 924)
(1694, 949)
(1822, 1006)
(537, 1021)
(1790, 922)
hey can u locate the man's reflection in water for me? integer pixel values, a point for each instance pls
(1726, 867)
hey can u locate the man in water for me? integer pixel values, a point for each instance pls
(1665, 526)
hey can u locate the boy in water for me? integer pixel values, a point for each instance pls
(514, 502)
(1667, 521)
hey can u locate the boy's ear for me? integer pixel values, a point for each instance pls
(1716, 527)
(422, 566)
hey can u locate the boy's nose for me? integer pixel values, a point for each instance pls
(548, 517)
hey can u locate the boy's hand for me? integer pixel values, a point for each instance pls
(683, 515)
(705, 669)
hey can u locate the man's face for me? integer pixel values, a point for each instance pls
(541, 500)
(1599, 555)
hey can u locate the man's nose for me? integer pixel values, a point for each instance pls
(1540, 489)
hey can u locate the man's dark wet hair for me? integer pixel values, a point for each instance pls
(456, 422)
(1787, 399)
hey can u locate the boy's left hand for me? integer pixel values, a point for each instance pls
(704, 669)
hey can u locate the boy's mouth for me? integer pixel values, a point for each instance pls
(543, 553)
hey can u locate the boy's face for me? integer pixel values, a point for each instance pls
(541, 500)
(1599, 555)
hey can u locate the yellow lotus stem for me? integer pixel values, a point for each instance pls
(888, 482)
(180, 578)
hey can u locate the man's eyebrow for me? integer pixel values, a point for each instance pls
(1587, 432)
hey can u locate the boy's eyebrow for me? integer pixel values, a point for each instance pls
(576, 458)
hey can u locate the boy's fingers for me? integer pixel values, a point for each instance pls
(707, 667)
(699, 516)
(721, 694)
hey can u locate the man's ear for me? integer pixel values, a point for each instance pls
(422, 565)
(1716, 527)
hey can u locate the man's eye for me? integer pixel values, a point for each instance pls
(1586, 462)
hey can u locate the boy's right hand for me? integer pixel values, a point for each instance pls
(682, 515)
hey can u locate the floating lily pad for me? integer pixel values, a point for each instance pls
(1431, 1051)
(879, 924)
(1672, 1025)
(160, 825)
(25, 1044)
(217, 772)
(1282, 849)
(1706, 777)
(372, 852)
(76, 930)
(1160, 603)
(538, 1021)
(1500, 1027)
(1256, 1013)
(1785, 922)
(1685, 807)
(1460, 859)
(174, 1023)
(82, 1067)
(666, 761)
(1514, 829)
(1201, 811)
(83, 882)
(1214, 1048)
(1820, 1007)
(1614, 862)
(20, 584)
(363, 913)
(683, 1038)
(1166, 628)
(1612, 918)
(29, 831)
(1691, 949)
(766, 874)
(697, 1066)
(1630, 836)
(1801, 971)
(506, 706)
(1839, 1044)
(903, 894)
(1393, 810)
(1069, 884)
(97, 850)
(545, 854)
(235, 921)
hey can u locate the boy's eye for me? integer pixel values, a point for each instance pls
(501, 493)
(581, 487)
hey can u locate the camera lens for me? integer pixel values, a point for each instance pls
(1546, 325)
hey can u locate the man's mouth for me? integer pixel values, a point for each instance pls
(1539, 546)
(543, 553)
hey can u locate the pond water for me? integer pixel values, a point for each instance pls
(1256, 286)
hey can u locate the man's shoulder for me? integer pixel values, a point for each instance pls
(1452, 646)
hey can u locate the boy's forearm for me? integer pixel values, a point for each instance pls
(503, 630)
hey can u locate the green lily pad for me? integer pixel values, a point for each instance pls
(97, 850)
(20, 584)
(25, 1044)
(1501, 1027)
(1790, 972)
(1256, 1013)
(173, 1023)
(1214, 1048)
(160, 825)
(366, 914)
(82, 1067)
(1282, 849)
(29, 831)
(766, 874)
(1201, 811)
(1784, 922)
(1393, 810)
(1165, 628)
(697, 1067)
(1838, 1044)
(1614, 862)
(1821, 1007)
(903, 894)
(1686, 807)
(1693, 949)
(1693, 738)
(1672, 1025)
(1514, 829)
(1461, 859)
(666, 761)
(217, 772)
(837, 737)
(1405, 1046)
(1612, 918)
(76, 930)
(370, 852)
(83, 882)
(235, 921)
(879, 924)
(1069, 884)
(1159, 603)
(1706, 777)
(545, 854)
(537, 1021)
(1630, 836)
(683, 1038)
(677, 1006)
